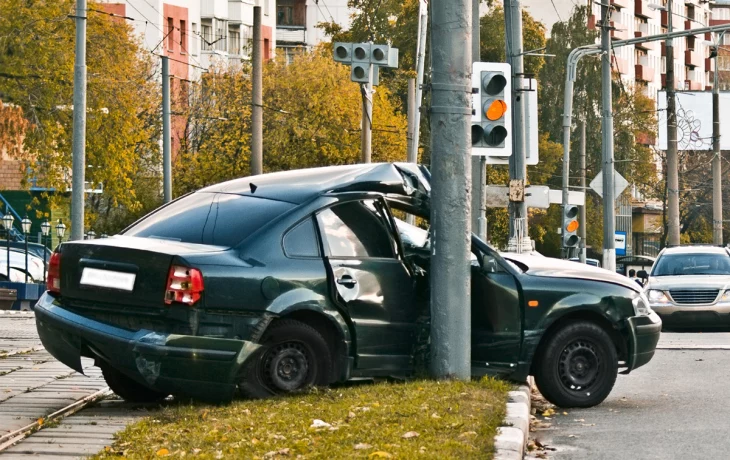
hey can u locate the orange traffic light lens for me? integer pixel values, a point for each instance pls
(572, 226)
(496, 110)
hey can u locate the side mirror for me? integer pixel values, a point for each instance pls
(642, 274)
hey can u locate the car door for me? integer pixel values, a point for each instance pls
(370, 282)
(496, 314)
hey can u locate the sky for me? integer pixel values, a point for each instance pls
(543, 10)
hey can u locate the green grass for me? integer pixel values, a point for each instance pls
(452, 420)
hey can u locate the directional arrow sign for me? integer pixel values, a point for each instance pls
(619, 184)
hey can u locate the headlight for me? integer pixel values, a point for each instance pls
(658, 297)
(641, 306)
(725, 296)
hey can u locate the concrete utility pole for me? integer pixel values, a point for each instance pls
(717, 158)
(257, 115)
(609, 208)
(451, 185)
(582, 229)
(420, 63)
(478, 163)
(79, 127)
(166, 136)
(366, 138)
(411, 153)
(519, 239)
(672, 160)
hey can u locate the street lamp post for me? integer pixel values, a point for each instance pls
(60, 231)
(45, 231)
(25, 224)
(8, 224)
(91, 235)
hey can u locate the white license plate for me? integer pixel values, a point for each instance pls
(107, 279)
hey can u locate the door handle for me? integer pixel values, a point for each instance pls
(347, 281)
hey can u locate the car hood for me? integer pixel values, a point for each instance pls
(664, 283)
(558, 268)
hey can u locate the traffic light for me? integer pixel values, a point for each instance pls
(570, 226)
(491, 129)
(343, 52)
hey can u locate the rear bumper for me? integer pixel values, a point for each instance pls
(201, 367)
(644, 332)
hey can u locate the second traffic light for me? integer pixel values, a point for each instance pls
(570, 226)
(491, 127)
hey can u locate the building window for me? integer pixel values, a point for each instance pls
(194, 42)
(183, 37)
(221, 28)
(234, 42)
(291, 13)
(266, 7)
(170, 34)
(206, 35)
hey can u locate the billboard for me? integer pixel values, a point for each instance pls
(694, 120)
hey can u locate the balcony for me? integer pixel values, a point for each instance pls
(620, 3)
(709, 65)
(691, 85)
(620, 65)
(644, 73)
(592, 22)
(665, 22)
(692, 58)
(640, 9)
(618, 31)
(291, 35)
(664, 50)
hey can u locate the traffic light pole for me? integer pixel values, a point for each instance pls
(367, 118)
(478, 163)
(672, 160)
(519, 239)
(717, 158)
(79, 127)
(451, 189)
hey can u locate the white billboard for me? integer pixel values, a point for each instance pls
(694, 120)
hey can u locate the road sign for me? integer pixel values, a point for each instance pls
(619, 184)
(620, 242)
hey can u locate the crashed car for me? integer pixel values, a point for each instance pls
(278, 282)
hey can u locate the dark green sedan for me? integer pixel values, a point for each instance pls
(274, 283)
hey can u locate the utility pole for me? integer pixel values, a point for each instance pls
(478, 162)
(366, 139)
(79, 127)
(257, 115)
(451, 184)
(411, 153)
(672, 160)
(717, 158)
(518, 238)
(582, 227)
(609, 209)
(420, 63)
(166, 136)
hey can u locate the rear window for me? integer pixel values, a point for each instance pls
(692, 264)
(219, 219)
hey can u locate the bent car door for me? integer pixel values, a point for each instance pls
(496, 314)
(371, 282)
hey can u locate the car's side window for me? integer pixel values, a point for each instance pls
(301, 241)
(357, 229)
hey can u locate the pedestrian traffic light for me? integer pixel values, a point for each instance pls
(491, 129)
(570, 226)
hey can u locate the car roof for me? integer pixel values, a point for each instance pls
(301, 185)
(695, 250)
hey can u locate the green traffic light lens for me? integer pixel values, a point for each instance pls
(495, 135)
(359, 72)
(341, 52)
(378, 54)
(494, 84)
(360, 53)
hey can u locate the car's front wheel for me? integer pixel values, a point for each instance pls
(294, 357)
(577, 366)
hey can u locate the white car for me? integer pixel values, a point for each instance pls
(17, 267)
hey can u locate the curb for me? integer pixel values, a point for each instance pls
(511, 438)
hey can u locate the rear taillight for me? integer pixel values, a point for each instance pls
(184, 285)
(53, 280)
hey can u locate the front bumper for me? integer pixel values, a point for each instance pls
(200, 367)
(644, 332)
(717, 315)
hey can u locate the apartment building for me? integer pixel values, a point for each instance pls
(721, 15)
(297, 20)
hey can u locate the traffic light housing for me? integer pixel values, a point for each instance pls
(570, 226)
(491, 129)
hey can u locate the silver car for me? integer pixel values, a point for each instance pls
(689, 286)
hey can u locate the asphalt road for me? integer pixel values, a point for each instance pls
(675, 407)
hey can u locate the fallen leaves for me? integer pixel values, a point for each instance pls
(549, 412)
(363, 446)
(163, 452)
(317, 423)
(380, 454)
(281, 452)
(410, 435)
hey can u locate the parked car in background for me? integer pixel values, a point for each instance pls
(17, 265)
(689, 286)
(589, 261)
(38, 250)
(277, 282)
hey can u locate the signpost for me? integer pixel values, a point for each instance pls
(620, 240)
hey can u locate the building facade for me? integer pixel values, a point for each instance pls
(297, 20)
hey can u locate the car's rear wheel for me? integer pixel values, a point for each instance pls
(294, 357)
(577, 366)
(129, 389)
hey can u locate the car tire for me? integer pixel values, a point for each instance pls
(129, 389)
(577, 366)
(294, 357)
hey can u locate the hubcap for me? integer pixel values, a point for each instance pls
(286, 366)
(579, 365)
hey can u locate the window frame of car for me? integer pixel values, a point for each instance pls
(317, 238)
(398, 253)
